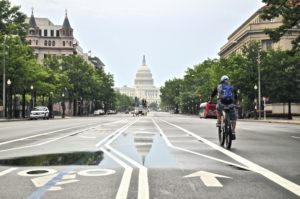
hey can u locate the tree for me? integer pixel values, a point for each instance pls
(290, 11)
(124, 102)
(153, 106)
(170, 93)
(12, 21)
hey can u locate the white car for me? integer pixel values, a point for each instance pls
(99, 112)
(39, 112)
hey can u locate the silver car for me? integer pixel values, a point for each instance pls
(39, 112)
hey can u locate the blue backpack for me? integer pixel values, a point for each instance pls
(226, 95)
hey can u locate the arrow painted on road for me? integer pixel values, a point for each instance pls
(209, 179)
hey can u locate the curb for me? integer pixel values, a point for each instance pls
(296, 122)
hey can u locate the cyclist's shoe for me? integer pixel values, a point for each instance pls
(233, 135)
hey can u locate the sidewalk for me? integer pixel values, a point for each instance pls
(26, 119)
(295, 120)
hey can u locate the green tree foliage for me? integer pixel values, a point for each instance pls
(153, 106)
(170, 93)
(280, 78)
(290, 11)
(12, 21)
(124, 102)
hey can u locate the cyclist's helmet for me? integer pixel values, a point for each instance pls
(224, 78)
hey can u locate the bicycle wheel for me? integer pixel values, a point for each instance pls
(221, 135)
(227, 139)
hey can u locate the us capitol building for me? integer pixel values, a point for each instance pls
(143, 86)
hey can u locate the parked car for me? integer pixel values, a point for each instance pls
(39, 112)
(208, 110)
(99, 112)
(111, 112)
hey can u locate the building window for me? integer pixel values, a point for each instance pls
(37, 42)
(52, 33)
(29, 42)
(40, 32)
(70, 43)
(53, 43)
(45, 33)
(57, 33)
(64, 33)
(49, 43)
(267, 44)
(45, 43)
(64, 43)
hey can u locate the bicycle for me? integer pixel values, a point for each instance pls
(225, 130)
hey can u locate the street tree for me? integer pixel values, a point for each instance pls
(289, 10)
(12, 20)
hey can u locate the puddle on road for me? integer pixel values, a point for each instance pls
(75, 158)
(147, 148)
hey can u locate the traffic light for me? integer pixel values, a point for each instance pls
(144, 102)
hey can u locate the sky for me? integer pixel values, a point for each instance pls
(174, 35)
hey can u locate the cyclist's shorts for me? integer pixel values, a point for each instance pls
(232, 112)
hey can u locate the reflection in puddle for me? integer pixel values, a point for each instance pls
(147, 148)
(75, 158)
(160, 155)
(143, 143)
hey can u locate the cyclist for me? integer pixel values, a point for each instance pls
(226, 97)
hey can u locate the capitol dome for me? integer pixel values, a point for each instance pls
(143, 76)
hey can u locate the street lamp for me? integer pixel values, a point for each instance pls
(4, 106)
(255, 101)
(63, 105)
(10, 98)
(50, 105)
(259, 88)
(32, 100)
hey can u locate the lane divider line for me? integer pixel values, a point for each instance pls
(289, 185)
(143, 189)
(193, 152)
(52, 132)
(49, 141)
(295, 137)
(114, 135)
(126, 178)
(143, 184)
(2, 173)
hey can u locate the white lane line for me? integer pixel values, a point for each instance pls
(193, 152)
(114, 135)
(52, 132)
(126, 178)
(33, 136)
(291, 186)
(143, 189)
(2, 173)
(49, 141)
(42, 143)
(296, 137)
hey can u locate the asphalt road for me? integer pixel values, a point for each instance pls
(156, 156)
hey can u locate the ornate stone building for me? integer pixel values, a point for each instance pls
(143, 86)
(47, 38)
(253, 30)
